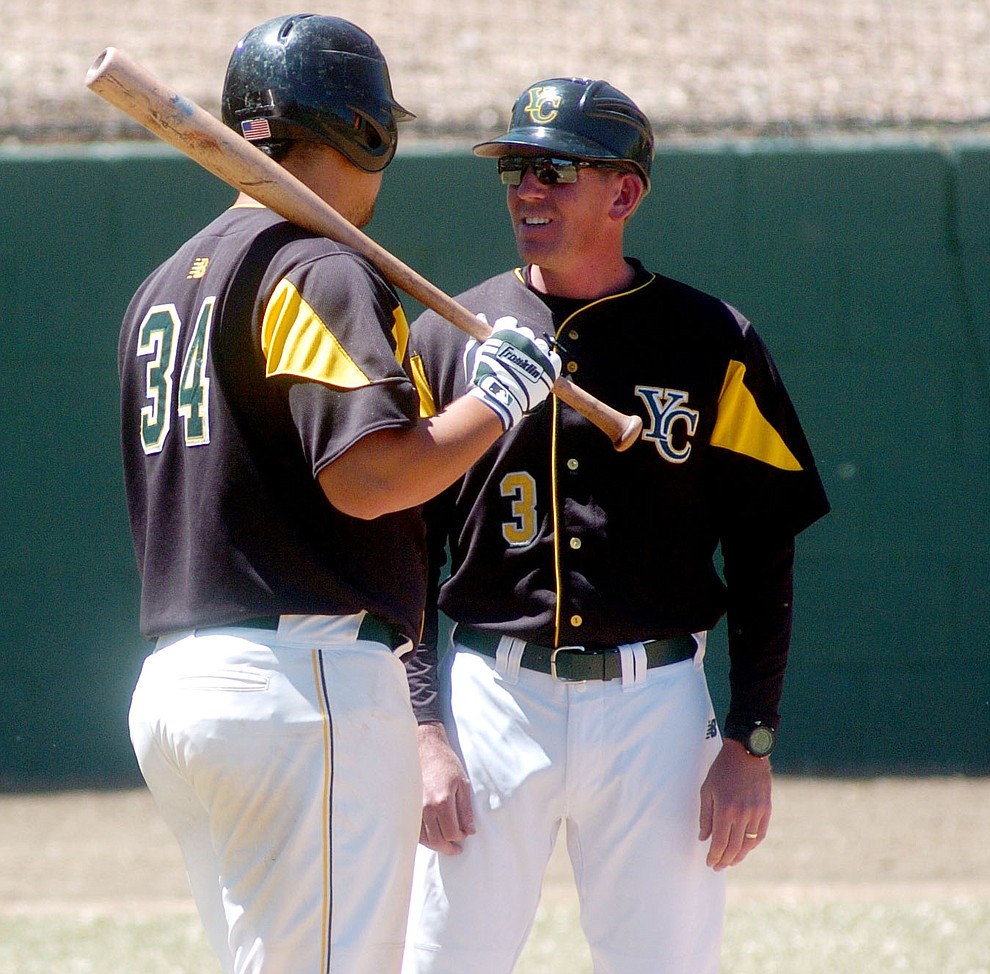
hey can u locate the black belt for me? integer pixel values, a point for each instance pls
(372, 628)
(258, 622)
(576, 663)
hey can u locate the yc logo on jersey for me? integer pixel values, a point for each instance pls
(672, 423)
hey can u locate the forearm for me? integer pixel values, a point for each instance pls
(424, 694)
(395, 469)
(759, 616)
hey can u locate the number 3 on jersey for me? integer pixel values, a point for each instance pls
(158, 341)
(520, 488)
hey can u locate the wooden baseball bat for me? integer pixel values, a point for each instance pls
(117, 78)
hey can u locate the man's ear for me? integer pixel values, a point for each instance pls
(629, 193)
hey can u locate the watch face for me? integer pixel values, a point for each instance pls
(761, 741)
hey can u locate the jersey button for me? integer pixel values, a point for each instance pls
(572, 464)
(572, 367)
(575, 543)
(573, 335)
(577, 621)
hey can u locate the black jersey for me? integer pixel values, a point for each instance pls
(558, 539)
(249, 360)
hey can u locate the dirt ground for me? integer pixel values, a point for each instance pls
(723, 66)
(107, 852)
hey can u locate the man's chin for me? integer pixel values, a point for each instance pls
(530, 250)
(362, 218)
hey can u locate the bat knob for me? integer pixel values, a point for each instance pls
(629, 435)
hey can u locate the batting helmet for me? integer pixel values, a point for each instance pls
(580, 119)
(319, 79)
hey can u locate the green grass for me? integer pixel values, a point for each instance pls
(852, 936)
(950, 936)
(74, 944)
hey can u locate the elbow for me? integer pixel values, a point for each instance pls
(365, 499)
(365, 504)
(369, 480)
(364, 508)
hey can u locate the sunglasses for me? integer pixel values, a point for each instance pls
(547, 169)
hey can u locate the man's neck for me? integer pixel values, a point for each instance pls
(588, 282)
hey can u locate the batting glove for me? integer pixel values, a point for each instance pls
(512, 371)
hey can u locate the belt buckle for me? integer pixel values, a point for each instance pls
(553, 662)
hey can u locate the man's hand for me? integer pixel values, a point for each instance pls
(735, 805)
(448, 818)
(512, 371)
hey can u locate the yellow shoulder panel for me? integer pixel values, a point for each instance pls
(741, 427)
(400, 332)
(427, 404)
(296, 342)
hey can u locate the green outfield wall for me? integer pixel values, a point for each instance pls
(865, 265)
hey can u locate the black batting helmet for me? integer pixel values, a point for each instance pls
(319, 79)
(577, 118)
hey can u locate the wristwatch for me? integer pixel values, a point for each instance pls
(760, 740)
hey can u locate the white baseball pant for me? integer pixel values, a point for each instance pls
(622, 762)
(288, 772)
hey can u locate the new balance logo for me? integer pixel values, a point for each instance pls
(712, 730)
(198, 268)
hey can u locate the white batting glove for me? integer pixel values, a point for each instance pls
(512, 371)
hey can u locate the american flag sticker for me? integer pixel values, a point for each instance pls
(257, 128)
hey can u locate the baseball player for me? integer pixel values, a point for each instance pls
(583, 583)
(274, 456)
